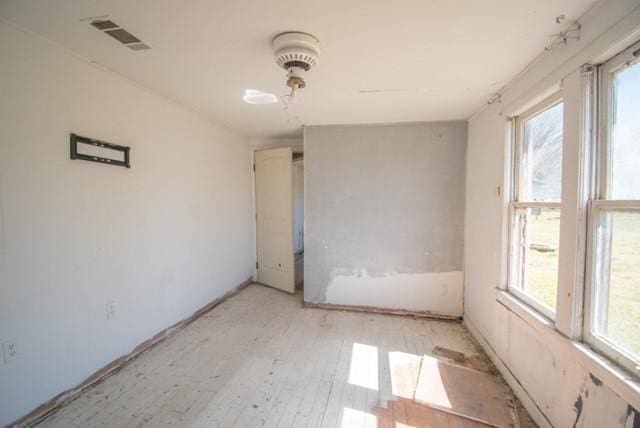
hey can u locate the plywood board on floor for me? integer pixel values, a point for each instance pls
(464, 392)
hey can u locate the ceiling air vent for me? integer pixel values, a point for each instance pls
(123, 36)
(138, 46)
(120, 34)
(104, 25)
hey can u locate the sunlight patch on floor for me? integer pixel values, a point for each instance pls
(357, 418)
(404, 370)
(364, 366)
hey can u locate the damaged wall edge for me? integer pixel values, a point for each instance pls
(383, 311)
(601, 370)
(45, 409)
(518, 389)
(596, 371)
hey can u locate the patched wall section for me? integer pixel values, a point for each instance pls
(384, 216)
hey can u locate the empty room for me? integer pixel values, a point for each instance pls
(356, 213)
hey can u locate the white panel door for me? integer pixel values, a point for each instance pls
(274, 207)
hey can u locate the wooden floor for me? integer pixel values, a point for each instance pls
(261, 359)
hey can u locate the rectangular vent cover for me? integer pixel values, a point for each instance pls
(123, 36)
(138, 46)
(104, 25)
(120, 34)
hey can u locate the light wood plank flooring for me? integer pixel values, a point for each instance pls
(261, 359)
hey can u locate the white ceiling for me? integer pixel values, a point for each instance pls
(446, 57)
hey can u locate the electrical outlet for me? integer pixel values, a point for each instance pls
(9, 352)
(111, 310)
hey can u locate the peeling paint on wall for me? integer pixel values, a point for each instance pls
(577, 407)
(595, 380)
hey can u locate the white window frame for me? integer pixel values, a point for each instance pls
(513, 274)
(601, 203)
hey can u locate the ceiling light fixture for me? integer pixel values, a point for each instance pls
(296, 52)
(253, 96)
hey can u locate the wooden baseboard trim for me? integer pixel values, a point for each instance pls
(383, 311)
(45, 409)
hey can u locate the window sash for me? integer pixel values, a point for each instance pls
(514, 273)
(514, 277)
(602, 204)
(599, 342)
(606, 73)
(518, 158)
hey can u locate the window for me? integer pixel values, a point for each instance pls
(535, 206)
(613, 311)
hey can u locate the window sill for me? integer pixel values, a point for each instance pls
(532, 317)
(614, 377)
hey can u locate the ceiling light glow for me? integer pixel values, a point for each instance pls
(253, 96)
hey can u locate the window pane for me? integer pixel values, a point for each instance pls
(617, 292)
(537, 235)
(625, 148)
(542, 149)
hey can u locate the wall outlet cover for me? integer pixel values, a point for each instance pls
(111, 310)
(9, 352)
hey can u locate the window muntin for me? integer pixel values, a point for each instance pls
(535, 209)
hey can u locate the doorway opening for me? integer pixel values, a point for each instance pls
(298, 217)
(279, 197)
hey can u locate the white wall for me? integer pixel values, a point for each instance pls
(160, 240)
(384, 216)
(559, 385)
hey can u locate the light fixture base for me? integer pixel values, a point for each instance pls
(297, 52)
